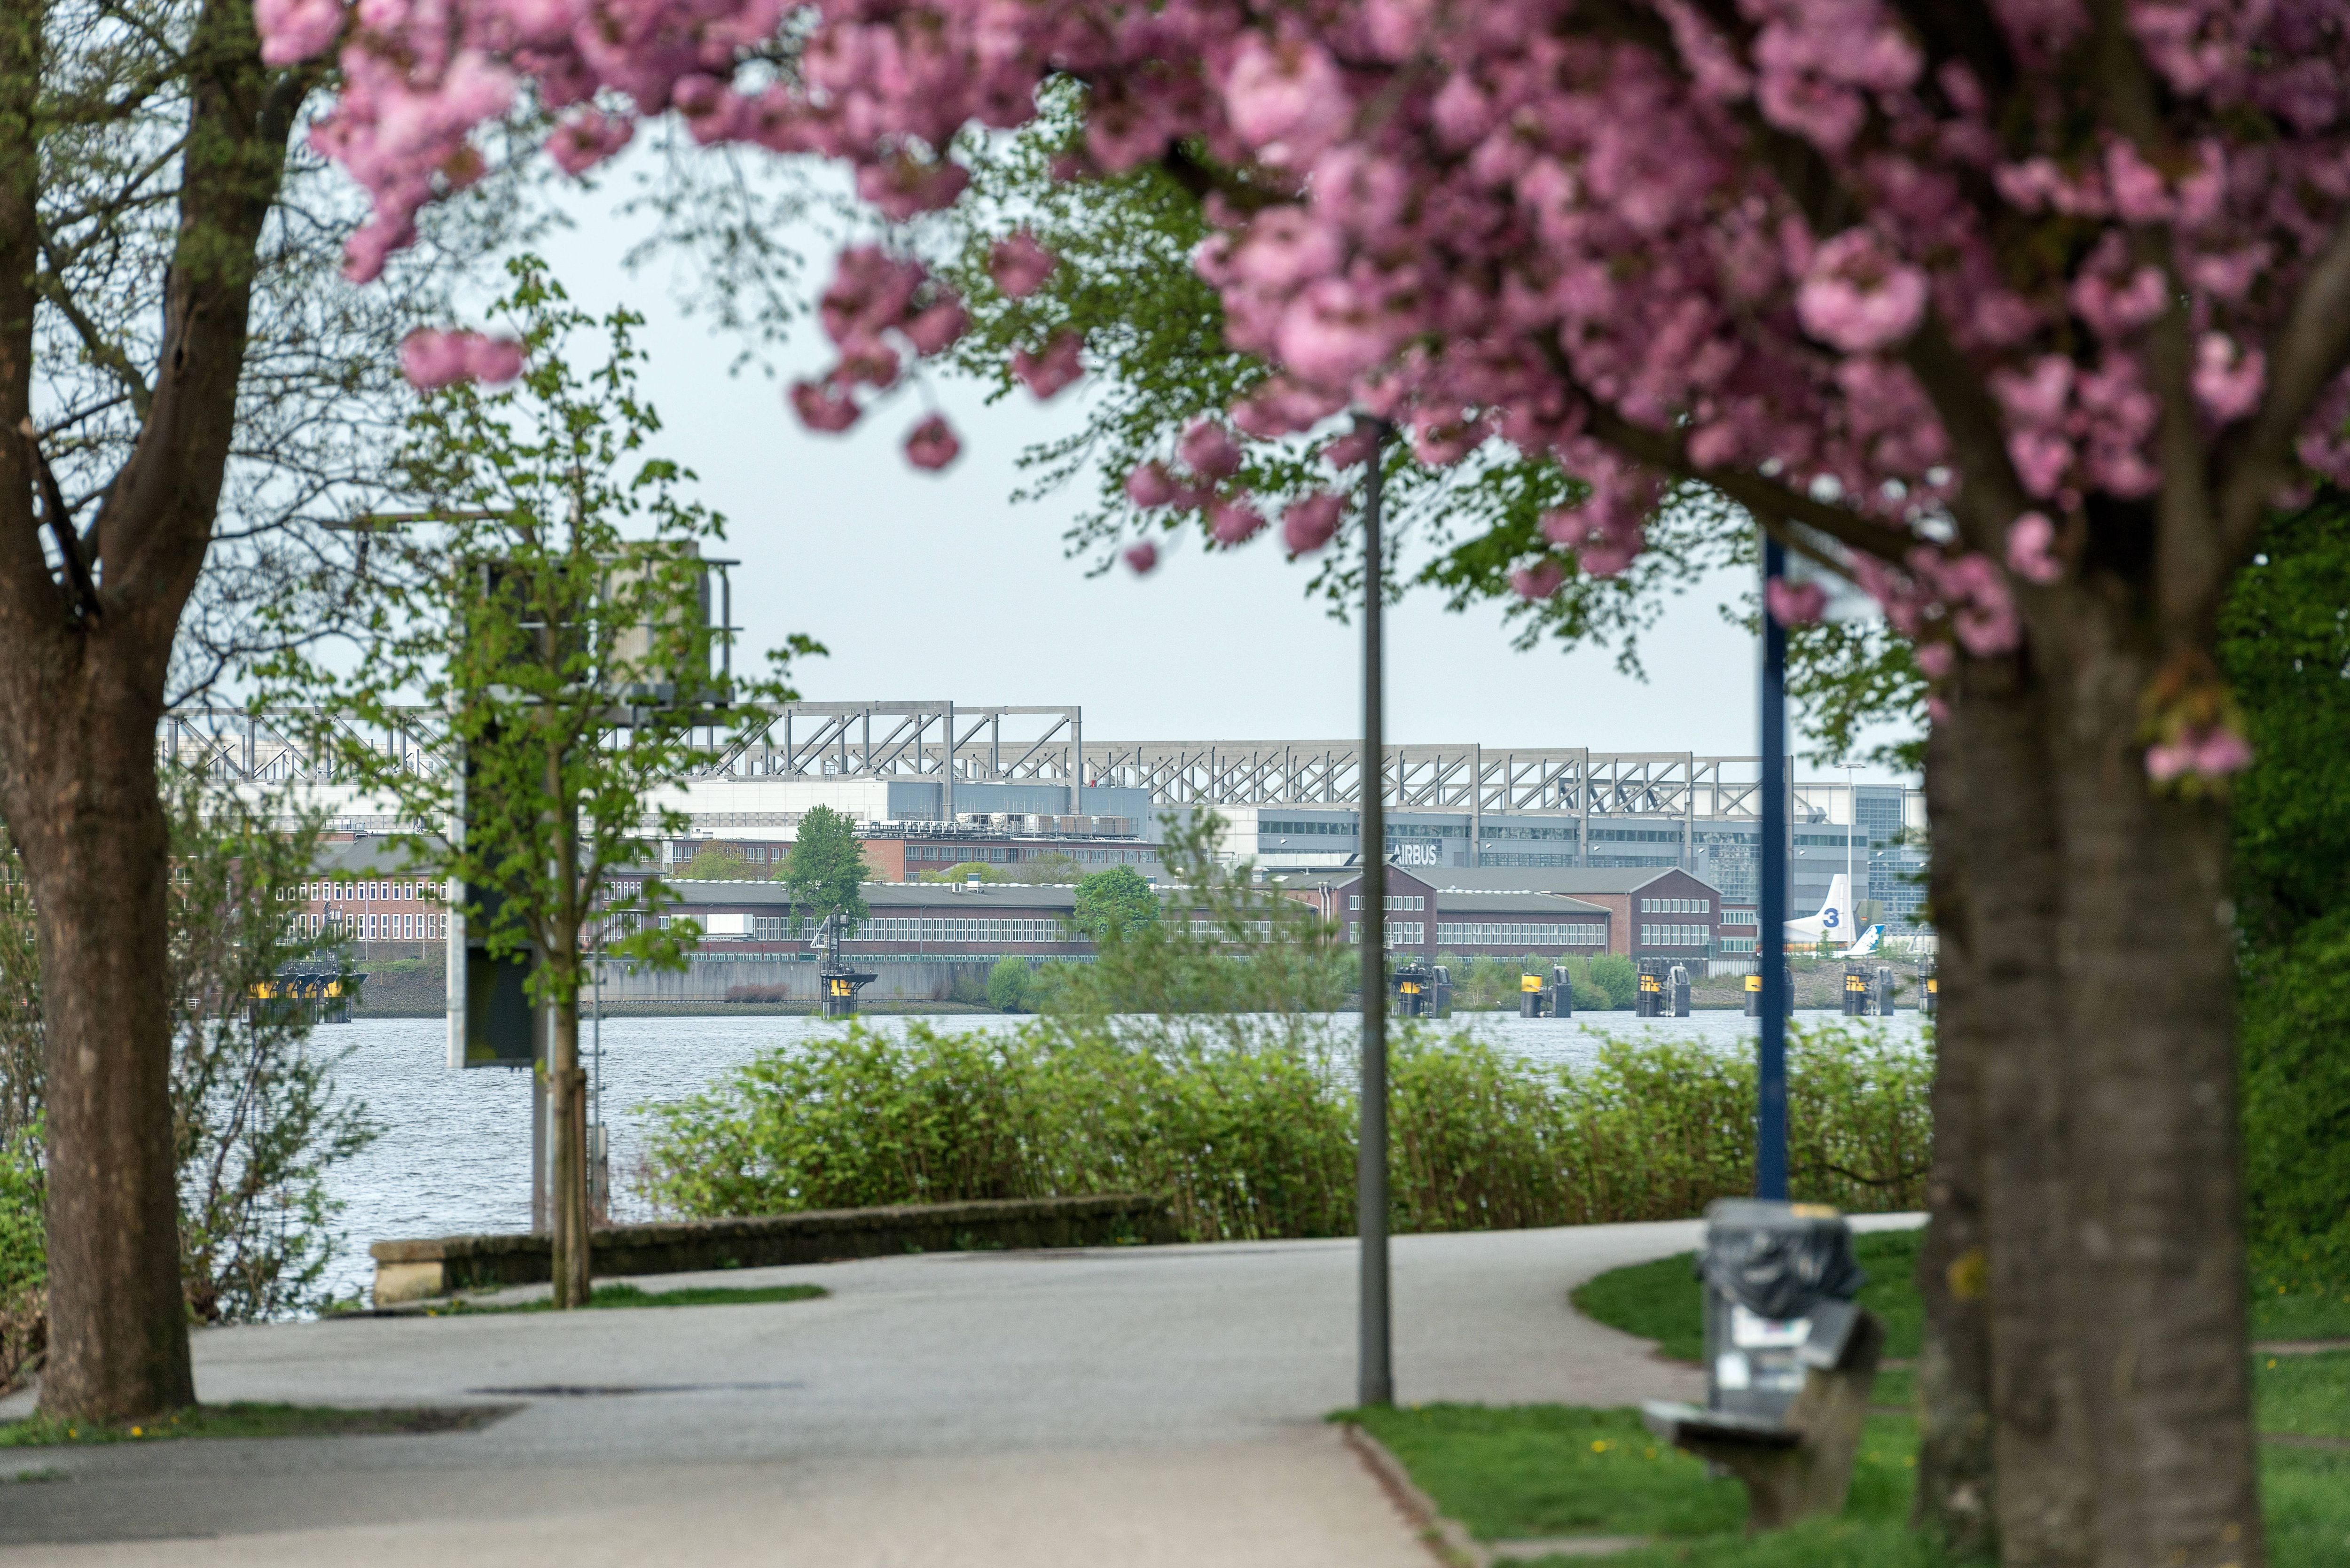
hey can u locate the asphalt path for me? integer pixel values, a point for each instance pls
(1125, 1406)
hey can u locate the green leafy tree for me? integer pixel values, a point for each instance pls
(554, 623)
(1115, 904)
(963, 872)
(1007, 984)
(2285, 647)
(1215, 942)
(714, 863)
(827, 872)
(188, 387)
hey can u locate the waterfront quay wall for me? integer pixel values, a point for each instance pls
(419, 1270)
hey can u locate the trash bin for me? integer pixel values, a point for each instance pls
(1775, 1274)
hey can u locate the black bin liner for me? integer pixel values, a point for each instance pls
(1778, 1260)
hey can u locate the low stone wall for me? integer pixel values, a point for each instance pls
(436, 1266)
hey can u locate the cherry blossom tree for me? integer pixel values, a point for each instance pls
(2020, 314)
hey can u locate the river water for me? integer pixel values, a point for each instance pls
(454, 1155)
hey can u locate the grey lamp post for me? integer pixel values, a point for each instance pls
(1375, 1382)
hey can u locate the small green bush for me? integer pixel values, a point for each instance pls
(23, 1252)
(1249, 1129)
(1007, 984)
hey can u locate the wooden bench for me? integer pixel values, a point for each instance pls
(1800, 1465)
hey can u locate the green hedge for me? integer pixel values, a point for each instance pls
(1250, 1132)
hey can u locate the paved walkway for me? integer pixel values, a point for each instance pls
(1139, 1407)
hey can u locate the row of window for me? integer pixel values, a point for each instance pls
(1495, 934)
(1394, 901)
(376, 928)
(914, 929)
(336, 892)
(1741, 918)
(1732, 947)
(1676, 906)
(1207, 930)
(1400, 934)
(1638, 835)
(1674, 936)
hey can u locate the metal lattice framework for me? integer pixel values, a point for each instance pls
(953, 745)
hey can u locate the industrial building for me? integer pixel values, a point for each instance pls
(1288, 805)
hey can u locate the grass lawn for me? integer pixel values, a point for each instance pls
(2309, 1395)
(254, 1421)
(1660, 1300)
(614, 1297)
(1533, 1471)
(1518, 1473)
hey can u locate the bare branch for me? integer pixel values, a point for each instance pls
(61, 522)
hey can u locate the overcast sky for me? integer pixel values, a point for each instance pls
(939, 586)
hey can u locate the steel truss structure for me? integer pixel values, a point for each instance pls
(952, 745)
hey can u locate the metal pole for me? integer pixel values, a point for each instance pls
(1771, 1123)
(1376, 1380)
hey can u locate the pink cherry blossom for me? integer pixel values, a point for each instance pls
(1234, 521)
(939, 327)
(492, 361)
(1209, 450)
(295, 30)
(1857, 297)
(1046, 373)
(1935, 660)
(1150, 486)
(586, 139)
(2203, 752)
(2030, 549)
(1794, 604)
(932, 444)
(1540, 580)
(1286, 100)
(1507, 223)
(1351, 450)
(432, 360)
(1310, 521)
(1143, 559)
(823, 405)
(2227, 382)
(1020, 265)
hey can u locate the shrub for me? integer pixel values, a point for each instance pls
(23, 1252)
(1007, 984)
(1247, 1126)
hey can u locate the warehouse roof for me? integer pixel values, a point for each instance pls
(1452, 901)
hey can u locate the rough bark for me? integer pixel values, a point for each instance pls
(2155, 1235)
(1955, 1496)
(2009, 995)
(84, 672)
(567, 1082)
(96, 842)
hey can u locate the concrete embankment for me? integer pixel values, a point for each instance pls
(436, 1266)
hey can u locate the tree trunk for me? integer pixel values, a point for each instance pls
(2156, 1233)
(2008, 995)
(1954, 1502)
(81, 799)
(567, 1083)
